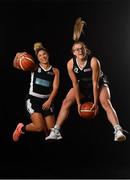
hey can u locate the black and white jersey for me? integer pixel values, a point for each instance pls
(84, 75)
(41, 82)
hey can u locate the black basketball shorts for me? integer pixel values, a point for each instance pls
(34, 104)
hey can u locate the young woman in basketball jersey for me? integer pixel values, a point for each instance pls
(43, 89)
(88, 80)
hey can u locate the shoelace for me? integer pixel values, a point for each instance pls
(120, 129)
(54, 130)
(125, 131)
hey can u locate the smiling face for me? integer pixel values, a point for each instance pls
(80, 50)
(43, 56)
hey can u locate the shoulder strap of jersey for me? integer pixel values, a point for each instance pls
(74, 61)
(89, 59)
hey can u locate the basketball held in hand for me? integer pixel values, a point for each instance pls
(25, 62)
(86, 112)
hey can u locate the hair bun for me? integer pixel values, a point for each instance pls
(38, 45)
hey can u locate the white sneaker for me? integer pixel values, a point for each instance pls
(119, 136)
(54, 135)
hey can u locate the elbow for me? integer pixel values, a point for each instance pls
(96, 85)
(75, 84)
(55, 90)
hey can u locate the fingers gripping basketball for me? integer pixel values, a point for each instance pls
(86, 112)
(25, 62)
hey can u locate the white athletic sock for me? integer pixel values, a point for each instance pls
(117, 127)
(57, 127)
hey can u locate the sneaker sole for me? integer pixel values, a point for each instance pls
(52, 140)
(15, 136)
(121, 139)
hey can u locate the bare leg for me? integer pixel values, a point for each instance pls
(38, 123)
(65, 108)
(62, 116)
(111, 113)
(50, 121)
(107, 106)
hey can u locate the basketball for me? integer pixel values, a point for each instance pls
(25, 62)
(86, 112)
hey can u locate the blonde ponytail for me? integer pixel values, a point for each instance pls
(78, 28)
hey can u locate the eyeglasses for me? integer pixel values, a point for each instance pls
(79, 49)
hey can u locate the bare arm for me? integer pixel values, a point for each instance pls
(55, 84)
(54, 92)
(74, 82)
(95, 64)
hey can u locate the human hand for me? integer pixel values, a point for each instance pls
(79, 108)
(46, 105)
(95, 108)
(17, 56)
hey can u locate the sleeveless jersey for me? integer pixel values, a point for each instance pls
(41, 82)
(84, 76)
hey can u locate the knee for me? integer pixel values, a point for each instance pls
(66, 103)
(39, 128)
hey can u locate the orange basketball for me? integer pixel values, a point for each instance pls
(25, 62)
(86, 112)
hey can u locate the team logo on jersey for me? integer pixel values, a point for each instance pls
(51, 109)
(51, 73)
(76, 70)
(39, 70)
(88, 69)
(42, 82)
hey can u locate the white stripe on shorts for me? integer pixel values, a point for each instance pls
(29, 107)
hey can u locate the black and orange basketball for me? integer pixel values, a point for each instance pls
(86, 112)
(26, 62)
